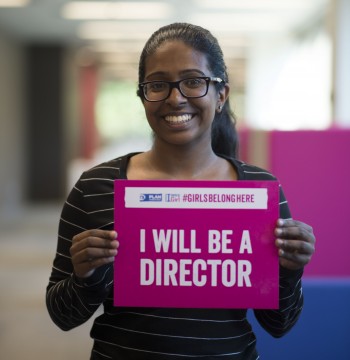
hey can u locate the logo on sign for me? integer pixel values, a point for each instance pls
(172, 197)
(150, 197)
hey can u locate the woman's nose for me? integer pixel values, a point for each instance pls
(175, 97)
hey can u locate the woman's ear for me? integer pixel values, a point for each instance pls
(222, 97)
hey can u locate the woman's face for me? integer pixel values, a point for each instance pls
(180, 120)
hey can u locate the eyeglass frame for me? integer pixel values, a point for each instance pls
(176, 84)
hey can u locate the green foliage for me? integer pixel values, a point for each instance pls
(119, 112)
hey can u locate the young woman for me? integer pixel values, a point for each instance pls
(184, 88)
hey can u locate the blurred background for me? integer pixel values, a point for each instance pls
(68, 78)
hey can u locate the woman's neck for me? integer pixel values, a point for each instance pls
(181, 162)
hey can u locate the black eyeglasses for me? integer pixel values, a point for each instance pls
(195, 87)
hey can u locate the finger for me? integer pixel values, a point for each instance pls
(92, 253)
(293, 229)
(292, 223)
(295, 246)
(95, 242)
(293, 260)
(104, 234)
(94, 238)
(294, 256)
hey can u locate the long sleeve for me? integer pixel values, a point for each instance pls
(69, 300)
(279, 322)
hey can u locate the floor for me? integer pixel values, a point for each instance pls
(27, 247)
(26, 330)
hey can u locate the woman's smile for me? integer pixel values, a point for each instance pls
(178, 120)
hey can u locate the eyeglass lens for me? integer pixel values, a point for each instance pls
(160, 90)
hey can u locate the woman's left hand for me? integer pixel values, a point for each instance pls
(295, 242)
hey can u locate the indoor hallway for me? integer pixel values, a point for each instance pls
(26, 330)
(28, 238)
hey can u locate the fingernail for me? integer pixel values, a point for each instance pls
(278, 232)
(280, 222)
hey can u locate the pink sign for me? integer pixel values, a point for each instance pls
(196, 244)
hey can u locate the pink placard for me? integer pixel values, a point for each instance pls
(196, 244)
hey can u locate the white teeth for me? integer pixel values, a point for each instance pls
(178, 119)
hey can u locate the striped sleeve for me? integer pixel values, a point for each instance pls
(279, 322)
(71, 302)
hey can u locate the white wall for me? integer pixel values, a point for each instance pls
(289, 84)
(342, 61)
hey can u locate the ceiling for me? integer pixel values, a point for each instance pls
(117, 30)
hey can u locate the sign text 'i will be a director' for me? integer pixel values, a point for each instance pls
(196, 244)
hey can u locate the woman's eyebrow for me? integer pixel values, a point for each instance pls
(181, 73)
(184, 72)
(155, 74)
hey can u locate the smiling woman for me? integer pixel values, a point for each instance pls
(184, 89)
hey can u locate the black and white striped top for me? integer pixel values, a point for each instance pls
(152, 333)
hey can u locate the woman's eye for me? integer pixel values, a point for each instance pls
(158, 86)
(193, 83)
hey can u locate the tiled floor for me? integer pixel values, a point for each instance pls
(27, 247)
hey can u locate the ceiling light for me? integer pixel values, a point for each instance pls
(109, 30)
(118, 46)
(103, 10)
(120, 58)
(272, 5)
(242, 22)
(13, 3)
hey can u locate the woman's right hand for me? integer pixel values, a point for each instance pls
(92, 249)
